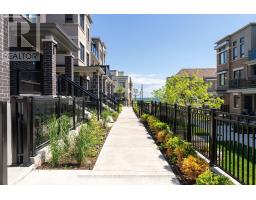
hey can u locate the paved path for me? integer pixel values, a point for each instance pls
(129, 156)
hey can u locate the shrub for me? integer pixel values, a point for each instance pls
(161, 135)
(144, 117)
(159, 126)
(83, 142)
(54, 141)
(114, 115)
(209, 178)
(193, 166)
(120, 107)
(64, 127)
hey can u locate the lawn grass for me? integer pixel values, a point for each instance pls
(232, 162)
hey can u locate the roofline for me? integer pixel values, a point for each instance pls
(90, 19)
(244, 27)
(102, 43)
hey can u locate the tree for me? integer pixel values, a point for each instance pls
(135, 93)
(120, 91)
(187, 90)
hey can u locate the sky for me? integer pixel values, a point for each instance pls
(150, 48)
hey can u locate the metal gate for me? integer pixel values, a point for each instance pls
(21, 112)
(3, 143)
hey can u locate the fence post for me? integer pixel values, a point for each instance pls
(166, 112)
(74, 113)
(175, 119)
(83, 110)
(189, 124)
(155, 108)
(3, 143)
(213, 139)
(160, 111)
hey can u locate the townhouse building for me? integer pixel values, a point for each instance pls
(120, 79)
(35, 50)
(236, 70)
(208, 74)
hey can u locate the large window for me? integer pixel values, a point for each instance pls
(253, 70)
(236, 101)
(82, 21)
(238, 74)
(87, 59)
(223, 56)
(122, 84)
(81, 51)
(69, 18)
(222, 79)
(88, 34)
(234, 51)
(242, 47)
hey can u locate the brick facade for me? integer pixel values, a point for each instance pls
(49, 67)
(4, 62)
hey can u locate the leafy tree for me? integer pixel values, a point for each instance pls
(120, 91)
(187, 90)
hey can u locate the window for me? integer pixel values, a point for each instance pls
(88, 34)
(122, 84)
(242, 48)
(234, 51)
(68, 18)
(87, 59)
(238, 74)
(222, 79)
(253, 70)
(236, 101)
(81, 51)
(82, 21)
(223, 56)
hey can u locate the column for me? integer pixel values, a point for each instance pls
(49, 66)
(69, 66)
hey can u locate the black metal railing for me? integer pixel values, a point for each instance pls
(242, 83)
(3, 143)
(30, 116)
(226, 139)
(109, 101)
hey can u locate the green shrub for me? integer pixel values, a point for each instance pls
(159, 126)
(105, 114)
(54, 141)
(114, 116)
(85, 139)
(209, 178)
(64, 127)
(120, 107)
(144, 117)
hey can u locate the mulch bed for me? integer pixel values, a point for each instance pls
(88, 165)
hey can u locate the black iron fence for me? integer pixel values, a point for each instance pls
(3, 143)
(226, 139)
(30, 116)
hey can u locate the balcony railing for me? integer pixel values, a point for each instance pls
(242, 84)
(252, 54)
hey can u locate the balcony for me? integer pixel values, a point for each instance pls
(252, 54)
(242, 84)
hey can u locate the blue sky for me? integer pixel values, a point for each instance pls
(152, 47)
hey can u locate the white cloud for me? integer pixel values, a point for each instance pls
(150, 82)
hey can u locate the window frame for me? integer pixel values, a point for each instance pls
(81, 16)
(242, 47)
(82, 51)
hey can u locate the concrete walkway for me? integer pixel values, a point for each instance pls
(129, 156)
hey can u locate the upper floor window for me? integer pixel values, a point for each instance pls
(223, 56)
(122, 84)
(242, 47)
(236, 101)
(81, 51)
(88, 34)
(234, 51)
(222, 79)
(238, 74)
(69, 18)
(82, 21)
(87, 59)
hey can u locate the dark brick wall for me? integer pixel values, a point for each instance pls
(49, 68)
(4, 62)
(69, 67)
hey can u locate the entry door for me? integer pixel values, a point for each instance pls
(248, 103)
